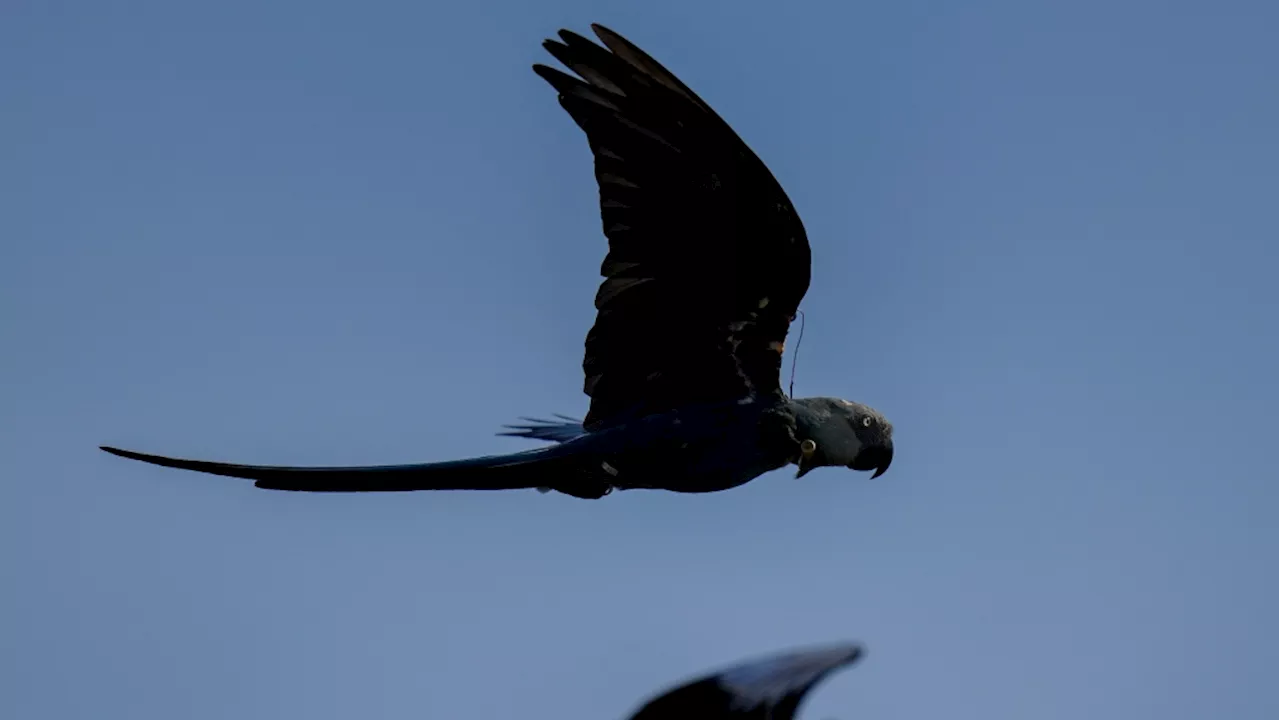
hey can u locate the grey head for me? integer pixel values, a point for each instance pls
(840, 433)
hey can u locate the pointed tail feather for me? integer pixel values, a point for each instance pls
(535, 468)
(774, 686)
(548, 430)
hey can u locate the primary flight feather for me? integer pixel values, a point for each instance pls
(768, 688)
(707, 263)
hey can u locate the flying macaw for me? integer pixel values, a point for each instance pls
(707, 265)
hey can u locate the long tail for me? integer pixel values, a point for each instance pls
(546, 467)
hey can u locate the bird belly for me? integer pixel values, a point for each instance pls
(696, 471)
(710, 451)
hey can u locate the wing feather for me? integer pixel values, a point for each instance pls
(707, 259)
(767, 687)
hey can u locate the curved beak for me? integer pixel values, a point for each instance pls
(876, 457)
(884, 464)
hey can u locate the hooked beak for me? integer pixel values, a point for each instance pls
(877, 458)
(888, 460)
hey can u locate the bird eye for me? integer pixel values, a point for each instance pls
(866, 421)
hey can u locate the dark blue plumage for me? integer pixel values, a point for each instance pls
(698, 449)
(768, 688)
(707, 264)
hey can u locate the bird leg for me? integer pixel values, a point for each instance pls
(807, 450)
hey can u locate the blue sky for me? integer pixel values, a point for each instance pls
(325, 233)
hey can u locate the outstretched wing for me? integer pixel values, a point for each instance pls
(771, 687)
(707, 260)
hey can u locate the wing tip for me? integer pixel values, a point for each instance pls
(569, 36)
(601, 31)
(552, 75)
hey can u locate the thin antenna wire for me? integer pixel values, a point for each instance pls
(791, 388)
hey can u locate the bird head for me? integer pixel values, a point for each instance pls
(840, 433)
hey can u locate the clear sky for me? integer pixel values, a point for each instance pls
(325, 233)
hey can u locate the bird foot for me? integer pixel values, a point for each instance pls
(807, 449)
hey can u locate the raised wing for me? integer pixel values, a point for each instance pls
(771, 687)
(707, 260)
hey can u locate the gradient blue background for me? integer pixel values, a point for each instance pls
(325, 233)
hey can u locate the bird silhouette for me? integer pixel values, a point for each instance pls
(706, 267)
(767, 688)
